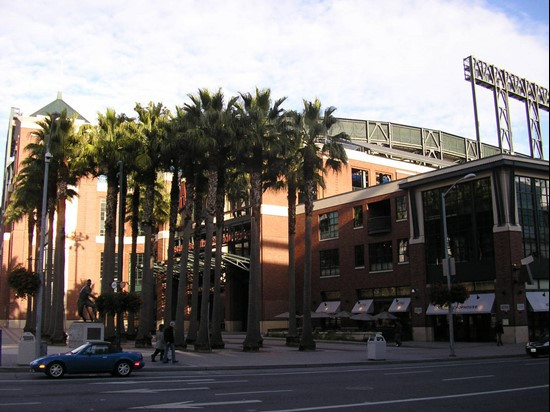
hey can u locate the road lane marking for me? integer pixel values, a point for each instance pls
(213, 382)
(11, 389)
(427, 398)
(469, 377)
(191, 405)
(153, 381)
(20, 403)
(150, 390)
(407, 373)
(252, 392)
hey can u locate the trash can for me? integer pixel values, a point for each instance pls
(27, 349)
(376, 347)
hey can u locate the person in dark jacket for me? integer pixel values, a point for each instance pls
(499, 330)
(169, 343)
(159, 345)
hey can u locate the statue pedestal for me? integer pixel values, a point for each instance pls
(82, 332)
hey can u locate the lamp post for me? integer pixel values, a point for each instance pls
(39, 262)
(447, 261)
(121, 214)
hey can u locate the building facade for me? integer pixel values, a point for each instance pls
(377, 242)
(381, 249)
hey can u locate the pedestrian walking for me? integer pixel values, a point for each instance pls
(169, 343)
(499, 330)
(159, 345)
(397, 333)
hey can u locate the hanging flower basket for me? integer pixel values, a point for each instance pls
(23, 282)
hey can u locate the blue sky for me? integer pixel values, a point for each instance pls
(393, 60)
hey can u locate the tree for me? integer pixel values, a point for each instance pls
(24, 201)
(287, 164)
(151, 131)
(316, 145)
(108, 144)
(442, 296)
(258, 128)
(66, 168)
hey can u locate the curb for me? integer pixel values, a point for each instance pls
(179, 368)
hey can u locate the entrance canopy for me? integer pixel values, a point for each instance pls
(476, 304)
(538, 301)
(363, 306)
(328, 307)
(400, 305)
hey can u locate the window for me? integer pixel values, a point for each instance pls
(139, 272)
(403, 251)
(532, 199)
(383, 178)
(329, 262)
(469, 222)
(328, 225)
(115, 268)
(101, 183)
(380, 256)
(359, 179)
(102, 216)
(358, 216)
(401, 208)
(359, 256)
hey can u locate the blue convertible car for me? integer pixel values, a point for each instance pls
(92, 357)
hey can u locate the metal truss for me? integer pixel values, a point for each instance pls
(227, 258)
(505, 85)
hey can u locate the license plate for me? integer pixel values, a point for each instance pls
(533, 350)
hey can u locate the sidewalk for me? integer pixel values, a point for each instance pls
(275, 353)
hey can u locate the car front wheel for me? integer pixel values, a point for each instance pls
(123, 368)
(55, 370)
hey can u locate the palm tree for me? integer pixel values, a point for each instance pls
(151, 130)
(198, 217)
(68, 167)
(23, 202)
(287, 164)
(172, 154)
(108, 144)
(27, 197)
(205, 117)
(312, 152)
(259, 127)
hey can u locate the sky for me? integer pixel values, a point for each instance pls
(397, 61)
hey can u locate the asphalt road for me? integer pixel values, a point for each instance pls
(477, 385)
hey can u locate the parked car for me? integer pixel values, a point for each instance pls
(538, 347)
(92, 357)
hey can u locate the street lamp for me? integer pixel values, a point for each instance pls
(447, 261)
(39, 262)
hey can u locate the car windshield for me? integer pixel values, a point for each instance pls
(76, 350)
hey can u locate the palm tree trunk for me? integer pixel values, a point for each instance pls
(146, 327)
(179, 330)
(48, 290)
(216, 339)
(29, 323)
(253, 339)
(58, 333)
(193, 320)
(133, 254)
(306, 342)
(109, 247)
(174, 199)
(292, 335)
(203, 339)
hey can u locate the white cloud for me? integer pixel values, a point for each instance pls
(398, 61)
